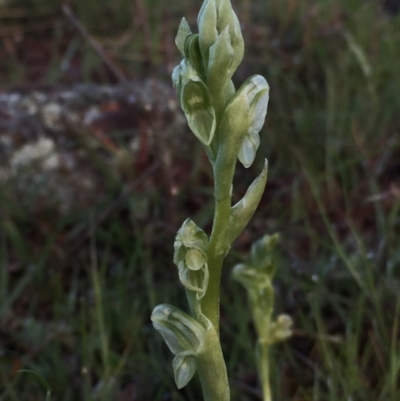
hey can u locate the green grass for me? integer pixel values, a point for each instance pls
(81, 319)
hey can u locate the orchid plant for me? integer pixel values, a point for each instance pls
(256, 274)
(227, 124)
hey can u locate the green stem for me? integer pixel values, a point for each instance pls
(262, 315)
(210, 302)
(212, 370)
(211, 364)
(263, 369)
(216, 253)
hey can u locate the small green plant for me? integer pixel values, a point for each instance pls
(227, 123)
(256, 276)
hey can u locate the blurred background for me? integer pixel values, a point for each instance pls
(98, 170)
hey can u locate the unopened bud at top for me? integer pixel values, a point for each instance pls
(214, 17)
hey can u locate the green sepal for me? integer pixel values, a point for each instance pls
(233, 127)
(227, 17)
(180, 331)
(184, 366)
(221, 55)
(207, 23)
(243, 211)
(193, 54)
(183, 32)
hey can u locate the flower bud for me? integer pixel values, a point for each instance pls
(256, 90)
(207, 23)
(227, 17)
(195, 101)
(219, 71)
(191, 245)
(183, 32)
(214, 17)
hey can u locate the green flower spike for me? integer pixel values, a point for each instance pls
(191, 244)
(195, 101)
(227, 123)
(256, 276)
